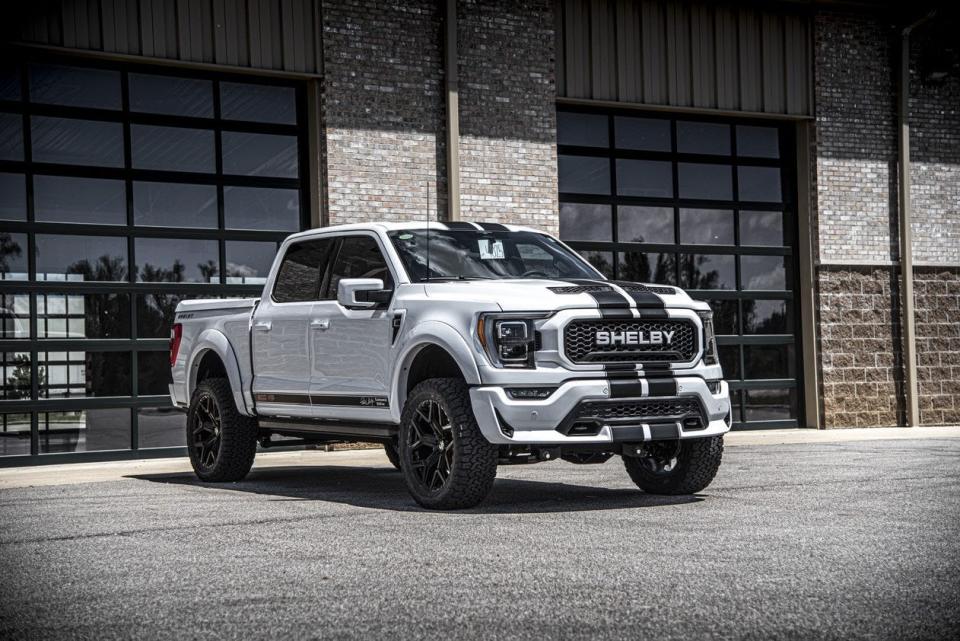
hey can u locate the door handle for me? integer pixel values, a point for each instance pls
(263, 326)
(320, 324)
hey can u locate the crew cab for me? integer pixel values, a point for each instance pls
(460, 346)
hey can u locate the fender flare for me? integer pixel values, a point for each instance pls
(212, 340)
(425, 334)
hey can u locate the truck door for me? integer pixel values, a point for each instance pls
(280, 341)
(351, 349)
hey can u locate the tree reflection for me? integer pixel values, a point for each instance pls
(9, 250)
(105, 268)
(760, 321)
(693, 277)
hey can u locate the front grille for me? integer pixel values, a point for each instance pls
(641, 411)
(579, 341)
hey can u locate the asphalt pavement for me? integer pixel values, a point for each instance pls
(851, 540)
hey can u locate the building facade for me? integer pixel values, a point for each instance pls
(749, 152)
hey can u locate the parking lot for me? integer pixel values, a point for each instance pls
(820, 540)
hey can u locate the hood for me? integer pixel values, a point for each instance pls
(521, 295)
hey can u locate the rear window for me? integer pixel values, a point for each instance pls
(301, 271)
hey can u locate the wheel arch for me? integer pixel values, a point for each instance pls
(214, 356)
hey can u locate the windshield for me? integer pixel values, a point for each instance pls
(465, 255)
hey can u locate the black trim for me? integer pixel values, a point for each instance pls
(459, 224)
(349, 401)
(351, 430)
(626, 388)
(663, 387)
(493, 227)
(289, 399)
(664, 431)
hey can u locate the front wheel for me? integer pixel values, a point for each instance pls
(446, 462)
(221, 441)
(676, 467)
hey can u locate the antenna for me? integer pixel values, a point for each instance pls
(428, 228)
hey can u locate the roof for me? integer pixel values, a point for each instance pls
(396, 226)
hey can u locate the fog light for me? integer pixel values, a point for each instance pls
(714, 387)
(530, 393)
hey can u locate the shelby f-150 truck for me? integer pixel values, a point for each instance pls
(459, 346)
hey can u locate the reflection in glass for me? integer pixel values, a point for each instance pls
(14, 316)
(706, 226)
(81, 258)
(768, 361)
(760, 142)
(729, 361)
(763, 272)
(248, 262)
(13, 256)
(76, 142)
(172, 148)
(9, 81)
(585, 130)
(260, 208)
(735, 398)
(762, 228)
(647, 267)
(174, 205)
(759, 184)
(14, 434)
(66, 199)
(16, 381)
(154, 94)
(13, 198)
(155, 313)
(724, 316)
(584, 174)
(648, 134)
(11, 137)
(648, 178)
(770, 404)
(579, 221)
(83, 316)
(84, 430)
(153, 373)
(75, 86)
(645, 224)
(602, 261)
(767, 317)
(259, 103)
(710, 182)
(83, 374)
(703, 138)
(708, 271)
(251, 154)
(160, 427)
(176, 260)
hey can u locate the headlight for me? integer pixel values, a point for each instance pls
(710, 356)
(509, 340)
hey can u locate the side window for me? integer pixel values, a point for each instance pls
(359, 257)
(301, 271)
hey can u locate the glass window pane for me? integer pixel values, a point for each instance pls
(153, 373)
(84, 374)
(260, 208)
(161, 427)
(174, 205)
(77, 142)
(259, 154)
(14, 316)
(645, 224)
(359, 257)
(84, 430)
(648, 134)
(724, 316)
(763, 228)
(11, 137)
(706, 226)
(13, 197)
(768, 361)
(13, 256)
(647, 267)
(703, 138)
(9, 81)
(584, 174)
(155, 313)
(170, 95)
(770, 404)
(249, 262)
(14, 434)
(172, 148)
(75, 86)
(710, 182)
(602, 261)
(580, 221)
(300, 273)
(81, 258)
(16, 381)
(65, 199)
(259, 103)
(177, 260)
(761, 142)
(83, 316)
(648, 178)
(586, 130)
(759, 184)
(708, 271)
(763, 272)
(767, 317)
(729, 361)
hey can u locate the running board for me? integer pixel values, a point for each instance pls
(347, 430)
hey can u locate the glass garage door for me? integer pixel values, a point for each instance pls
(706, 204)
(122, 191)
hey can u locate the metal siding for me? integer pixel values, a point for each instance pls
(749, 56)
(577, 38)
(774, 100)
(561, 72)
(797, 65)
(603, 57)
(678, 54)
(652, 32)
(725, 55)
(629, 58)
(702, 66)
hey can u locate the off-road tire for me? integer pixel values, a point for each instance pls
(697, 464)
(474, 460)
(238, 435)
(390, 449)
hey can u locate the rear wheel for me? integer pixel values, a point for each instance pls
(221, 442)
(676, 467)
(446, 462)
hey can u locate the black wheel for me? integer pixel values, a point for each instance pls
(445, 460)
(221, 441)
(392, 454)
(676, 467)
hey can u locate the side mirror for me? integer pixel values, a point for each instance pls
(362, 293)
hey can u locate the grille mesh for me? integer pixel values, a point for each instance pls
(641, 410)
(579, 341)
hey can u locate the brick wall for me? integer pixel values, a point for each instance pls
(937, 295)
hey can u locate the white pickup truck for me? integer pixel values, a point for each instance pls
(459, 346)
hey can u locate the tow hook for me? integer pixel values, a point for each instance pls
(548, 453)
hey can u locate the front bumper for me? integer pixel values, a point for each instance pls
(506, 421)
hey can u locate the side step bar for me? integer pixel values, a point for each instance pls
(346, 430)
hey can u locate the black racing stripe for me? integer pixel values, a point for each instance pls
(611, 303)
(290, 399)
(646, 299)
(625, 388)
(653, 312)
(663, 387)
(493, 227)
(354, 401)
(459, 224)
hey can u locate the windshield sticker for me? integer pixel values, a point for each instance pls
(490, 249)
